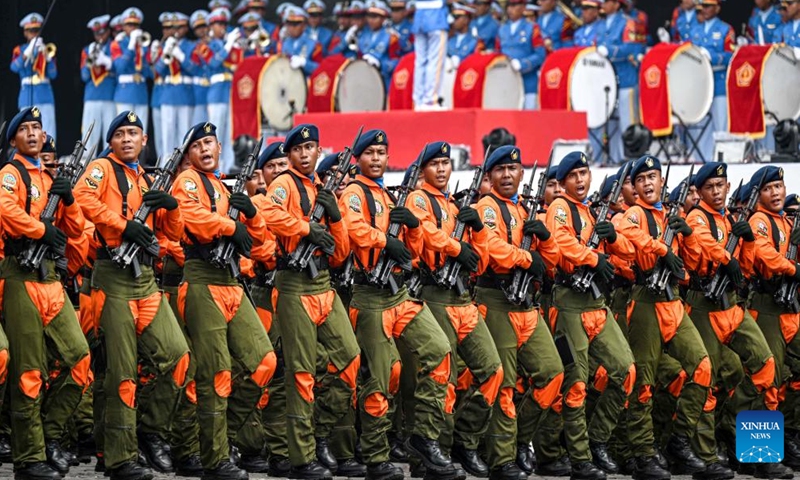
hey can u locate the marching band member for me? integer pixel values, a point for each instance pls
(557, 30)
(200, 57)
(154, 55)
(259, 7)
(716, 40)
(430, 45)
(128, 51)
(96, 73)
(338, 43)
(790, 33)
(402, 25)
(303, 51)
(765, 23)
(684, 19)
(522, 42)
(586, 35)
(484, 26)
(462, 42)
(227, 53)
(249, 25)
(641, 19)
(377, 44)
(36, 66)
(322, 34)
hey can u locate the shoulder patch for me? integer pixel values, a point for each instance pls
(97, 174)
(89, 183)
(420, 202)
(354, 203)
(9, 180)
(280, 192)
(561, 216)
(701, 220)
(189, 185)
(634, 218)
(761, 229)
(490, 217)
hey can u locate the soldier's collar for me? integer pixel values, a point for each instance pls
(34, 162)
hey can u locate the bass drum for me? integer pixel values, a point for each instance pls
(691, 85)
(779, 85)
(283, 93)
(503, 88)
(593, 87)
(360, 89)
(448, 83)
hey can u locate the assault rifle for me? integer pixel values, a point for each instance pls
(786, 295)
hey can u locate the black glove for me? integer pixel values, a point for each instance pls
(156, 199)
(404, 216)
(604, 269)
(605, 230)
(63, 188)
(797, 272)
(138, 233)
(674, 263)
(794, 237)
(536, 227)
(54, 237)
(679, 225)
(242, 239)
(742, 230)
(469, 217)
(240, 201)
(734, 272)
(328, 201)
(537, 267)
(467, 257)
(319, 236)
(397, 250)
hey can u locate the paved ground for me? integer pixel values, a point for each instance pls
(87, 472)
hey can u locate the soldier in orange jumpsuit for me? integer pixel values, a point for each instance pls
(311, 309)
(657, 324)
(584, 326)
(774, 231)
(458, 317)
(131, 314)
(733, 327)
(521, 337)
(38, 318)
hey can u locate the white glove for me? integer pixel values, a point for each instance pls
(178, 54)
(742, 41)
(516, 65)
(450, 19)
(455, 60)
(663, 35)
(297, 62)
(134, 38)
(351, 36)
(283, 33)
(120, 37)
(155, 49)
(603, 50)
(33, 47)
(371, 60)
(705, 52)
(103, 60)
(92, 46)
(796, 51)
(231, 39)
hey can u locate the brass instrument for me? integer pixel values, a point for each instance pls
(570, 14)
(93, 54)
(50, 49)
(258, 40)
(145, 39)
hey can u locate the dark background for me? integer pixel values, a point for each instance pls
(66, 28)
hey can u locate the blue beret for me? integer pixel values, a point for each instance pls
(644, 164)
(622, 168)
(770, 173)
(605, 188)
(300, 134)
(743, 193)
(201, 130)
(327, 163)
(369, 138)
(49, 145)
(551, 174)
(124, 119)
(407, 176)
(435, 150)
(27, 114)
(572, 161)
(502, 156)
(710, 170)
(791, 201)
(673, 195)
(274, 150)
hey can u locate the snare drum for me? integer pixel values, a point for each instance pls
(283, 93)
(487, 81)
(579, 79)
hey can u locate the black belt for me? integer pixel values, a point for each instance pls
(492, 281)
(171, 280)
(321, 262)
(18, 246)
(766, 287)
(144, 258)
(361, 278)
(621, 282)
(263, 275)
(198, 252)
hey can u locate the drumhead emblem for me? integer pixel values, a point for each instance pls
(469, 79)
(321, 84)
(245, 87)
(745, 75)
(553, 78)
(401, 78)
(653, 76)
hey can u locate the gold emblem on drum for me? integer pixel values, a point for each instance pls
(245, 87)
(469, 79)
(553, 78)
(401, 78)
(745, 75)
(652, 76)
(321, 84)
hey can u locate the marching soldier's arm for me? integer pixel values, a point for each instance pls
(559, 222)
(775, 262)
(71, 219)
(434, 238)
(354, 212)
(77, 251)
(632, 229)
(204, 224)
(340, 235)
(276, 209)
(91, 195)
(705, 241)
(548, 249)
(171, 223)
(16, 222)
(265, 252)
(501, 252)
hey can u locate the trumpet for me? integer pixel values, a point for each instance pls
(144, 39)
(50, 49)
(258, 40)
(93, 54)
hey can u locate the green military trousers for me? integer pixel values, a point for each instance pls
(309, 311)
(142, 340)
(527, 350)
(42, 327)
(657, 325)
(471, 342)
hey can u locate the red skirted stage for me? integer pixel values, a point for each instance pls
(408, 131)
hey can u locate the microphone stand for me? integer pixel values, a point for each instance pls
(606, 143)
